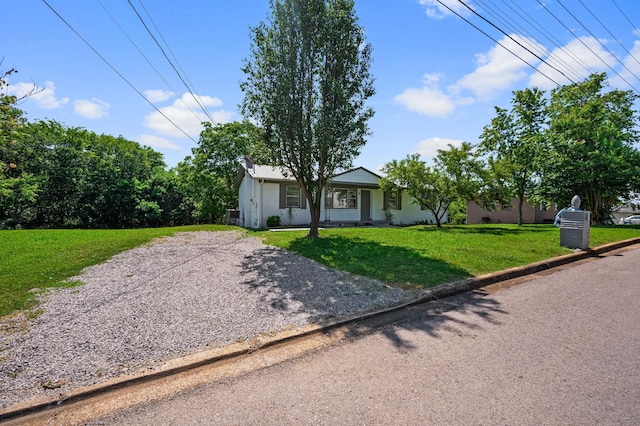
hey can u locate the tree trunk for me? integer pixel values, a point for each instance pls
(314, 201)
(520, 203)
(315, 221)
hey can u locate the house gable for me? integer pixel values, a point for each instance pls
(357, 177)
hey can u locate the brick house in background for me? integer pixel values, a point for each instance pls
(508, 213)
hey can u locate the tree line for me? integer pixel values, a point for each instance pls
(580, 139)
(55, 176)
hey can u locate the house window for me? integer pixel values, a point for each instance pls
(342, 198)
(293, 196)
(507, 207)
(392, 199)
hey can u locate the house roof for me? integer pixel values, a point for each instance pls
(356, 169)
(258, 171)
(272, 173)
(268, 172)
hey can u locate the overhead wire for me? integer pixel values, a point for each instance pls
(515, 27)
(147, 59)
(635, 27)
(583, 43)
(195, 98)
(518, 43)
(494, 40)
(114, 69)
(604, 47)
(193, 89)
(549, 36)
(610, 33)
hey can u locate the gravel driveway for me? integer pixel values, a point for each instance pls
(173, 297)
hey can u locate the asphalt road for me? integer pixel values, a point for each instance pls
(561, 349)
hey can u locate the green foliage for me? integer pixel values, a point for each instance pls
(41, 259)
(592, 132)
(273, 221)
(307, 83)
(515, 142)
(458, 212)
(457, 175)
(56, 176)
(208, 176)
(425, 256)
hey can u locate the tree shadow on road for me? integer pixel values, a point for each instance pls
(464, 315)
(292, 284)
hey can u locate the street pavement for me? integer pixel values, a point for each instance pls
(559, 349)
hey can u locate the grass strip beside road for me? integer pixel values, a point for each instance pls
(34, 260)
(425, 256)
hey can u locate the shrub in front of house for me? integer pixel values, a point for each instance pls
(273, 221)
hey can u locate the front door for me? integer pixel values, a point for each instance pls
(365, 205)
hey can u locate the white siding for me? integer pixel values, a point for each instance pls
(271, 207)
(259, 200)
(357, 175)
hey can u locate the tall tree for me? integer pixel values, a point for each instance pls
(515, 141)
(208, 175)
(307, 84)
(18, 187)
(592, 131)
(457, 175)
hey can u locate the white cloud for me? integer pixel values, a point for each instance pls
(499, 69)
(95, 108)
(158, 142)
(428, 148)
(577, 59)
(44, 97)
(435, 9)
(158, 95)
(428, 100)
(186, 114)
(630, 70)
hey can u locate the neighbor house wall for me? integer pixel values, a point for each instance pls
(509, 213)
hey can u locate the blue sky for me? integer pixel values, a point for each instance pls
(437, 77)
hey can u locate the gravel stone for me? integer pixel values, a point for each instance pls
(173, 297)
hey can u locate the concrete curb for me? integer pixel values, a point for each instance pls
(212, 356)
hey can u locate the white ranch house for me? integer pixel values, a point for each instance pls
(352, 198)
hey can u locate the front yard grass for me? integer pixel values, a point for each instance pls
(34, 260)
(425, 256)
(414, 257)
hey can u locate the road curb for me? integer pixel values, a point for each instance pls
(212, 356)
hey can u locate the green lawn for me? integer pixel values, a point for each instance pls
(40, 259)
(412, 257)
(424, 256)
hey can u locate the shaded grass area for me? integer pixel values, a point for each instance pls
(34, 260)
(425, 256)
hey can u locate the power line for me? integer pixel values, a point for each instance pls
(494, 40)
(546, 34)
(115, 70)
(610, 33)
(512, 25)
(147, 59)
(170, 62)
(517, 42)
(635, 28)
(583, 43)
(604, 47)
(177, 61)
